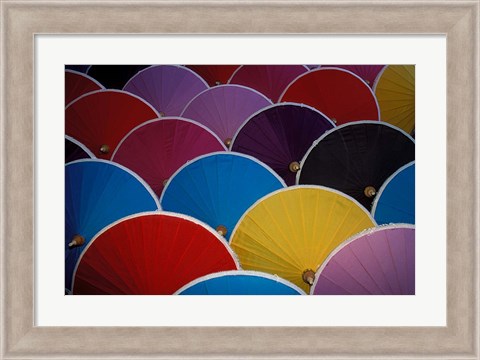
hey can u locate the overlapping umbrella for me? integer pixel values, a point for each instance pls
(218, 188)
(240, 283)
(224, 108)
(157, 148)
(97, 193)
(75, 150)
(280, 135)
(270, 80)
(169, 88)
(150, 254)
(395, 91)
(357, 158)
(395, 202)
(292, 231)
(214, 74)
(77, 84)
(100, 119)
(367, 73)
(338, 93)
(378, 262)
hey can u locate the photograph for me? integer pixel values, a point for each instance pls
(247, 179)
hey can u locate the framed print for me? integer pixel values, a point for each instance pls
(40, 319)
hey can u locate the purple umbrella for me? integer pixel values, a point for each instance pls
(377, 262)
(168, 88)
(75, 150)
(270, 80)
(224, 108)
(280, 135)
(368, 73)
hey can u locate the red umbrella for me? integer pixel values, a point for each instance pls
(338, 93)
(214, 74)
(152, 253)
(270, 80)
(100, 119)
(77, 84)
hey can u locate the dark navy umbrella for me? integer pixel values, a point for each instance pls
(356, 158)
(280, 135)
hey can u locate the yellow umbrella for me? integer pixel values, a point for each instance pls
(291, 232)
(395, 91)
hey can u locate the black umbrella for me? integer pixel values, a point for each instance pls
(357, 158)
(114, 76)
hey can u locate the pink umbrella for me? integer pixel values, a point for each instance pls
(368, 73)
(167, 87)
(270, 80)
(156, 149)
(378, 262)
(224, 108)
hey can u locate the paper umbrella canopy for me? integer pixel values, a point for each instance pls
(395, 202)
(100, 119)
(150, 254)
(75, 150)
(218, 188)
(357, 158)
(338, 93)
(378, 262)
(77, 84)
(280, 135)
(214, 74)
(270, 80)
(158, 148)
(97, 193)
(240, 283)
(167, 87)
(224, 108)
(367, 73)
(395, 92)
(292, 231)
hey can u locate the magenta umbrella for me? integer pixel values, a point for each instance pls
(270, 80)
(224, 108)
(168, 88)
(158, 148)
(378, 262)
(367, 73)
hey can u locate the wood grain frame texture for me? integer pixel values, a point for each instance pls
(21, 20)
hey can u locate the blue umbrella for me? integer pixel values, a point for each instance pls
(218, 188)
(97, 193)
(395, 202)
(240, 283)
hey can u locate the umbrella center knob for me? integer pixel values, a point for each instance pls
(222, 230)
(165, 182)
(228, 142)
(294, 166)
(308, 276)
(334, 120)
(78, 240)
(161, 113)
(105, 149)
(369, 191)
(217, 82)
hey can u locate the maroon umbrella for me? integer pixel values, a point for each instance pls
(270, 80)
(378, 262)
(224, 108)
(168, 88)
(280, 135)
(367, 73)
(77, 84)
